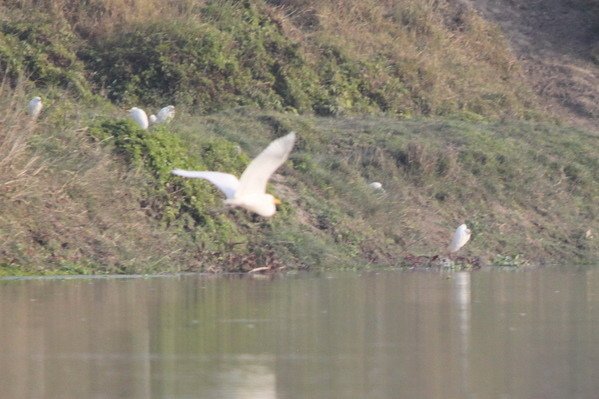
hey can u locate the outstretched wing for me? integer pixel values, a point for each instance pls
(256, 175)
(225, 182)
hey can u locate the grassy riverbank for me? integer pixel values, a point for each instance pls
(426, 99)
(102, 198)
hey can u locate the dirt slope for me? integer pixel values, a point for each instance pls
(554, 40)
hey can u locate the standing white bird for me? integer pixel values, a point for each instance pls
(140, 117)
(152, 119)
(249, 191)
(375, 185)
(166, 114)
(460, 238)
(35, 107)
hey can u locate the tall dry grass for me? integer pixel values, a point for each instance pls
(446, 54)
(96, 17)
(66, 204)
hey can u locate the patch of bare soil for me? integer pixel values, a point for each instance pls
(554, 40)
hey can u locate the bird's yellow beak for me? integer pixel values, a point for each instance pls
(277, 201)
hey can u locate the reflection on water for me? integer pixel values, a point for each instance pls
(494, 334)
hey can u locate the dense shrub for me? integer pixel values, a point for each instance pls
(186, 203)
(42, 50)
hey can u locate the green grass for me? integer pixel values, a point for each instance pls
(437, 173)
(527, 190)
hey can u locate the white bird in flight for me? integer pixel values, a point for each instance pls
(166, 114)
(140, 117)
(460, 238)
(35, 107)
(249, 191)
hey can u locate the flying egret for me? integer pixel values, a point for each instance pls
(139, 116)
(460, 238)
(375, 185)
(249, 191)
(152, 119)
(35, 107)
(166, 114)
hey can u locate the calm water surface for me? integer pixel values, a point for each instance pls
(488, 334)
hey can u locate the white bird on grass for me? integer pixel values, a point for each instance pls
(140, 117)
(35, 107)
(166, 114)
(460, 238)
(249, 191)
(152, 119)
(375, 185)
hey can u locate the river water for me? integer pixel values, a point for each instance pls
(393, 334)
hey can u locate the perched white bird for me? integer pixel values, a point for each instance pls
(460, 238)
(152, 119)
(375, 185)
(249, 191)
(139, 116)
(166, 114)
(35, 107)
